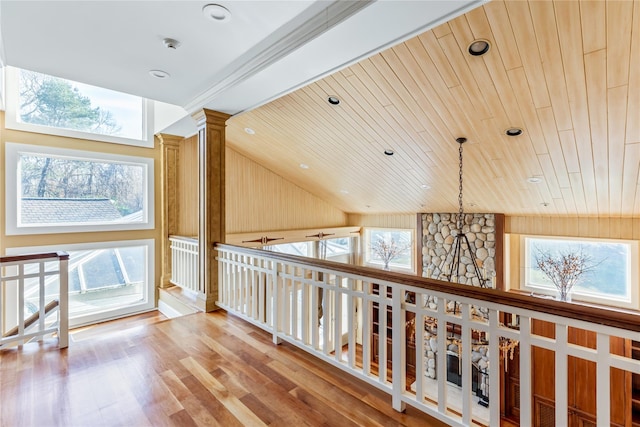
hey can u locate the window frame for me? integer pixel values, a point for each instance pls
(12, 98)
(633, 273)
(366, 251)
(113, 313)
(13, 191)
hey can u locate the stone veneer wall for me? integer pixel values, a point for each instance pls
(438, 233)
(485, 233)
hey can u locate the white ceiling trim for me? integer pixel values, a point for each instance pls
(285, 40)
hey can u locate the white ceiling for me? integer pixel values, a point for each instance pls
(267, 49)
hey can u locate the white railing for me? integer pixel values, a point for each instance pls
(315, 304)
(28, 299)
(184, 263)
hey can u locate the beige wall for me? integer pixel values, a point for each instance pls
(384, 220)
(8, 135)
(258, 199)
(606, 228)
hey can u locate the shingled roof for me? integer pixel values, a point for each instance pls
(36, 210)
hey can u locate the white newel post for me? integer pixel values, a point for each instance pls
(63, 331)
(399, 348)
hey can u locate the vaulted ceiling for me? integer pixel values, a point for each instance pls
(566, 72)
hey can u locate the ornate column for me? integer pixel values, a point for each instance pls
(211, 222)
(169, 156)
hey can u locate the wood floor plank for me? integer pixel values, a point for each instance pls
(221, 393)
(200, 370)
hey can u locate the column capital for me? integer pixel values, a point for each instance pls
(167, 139)
(205, 116)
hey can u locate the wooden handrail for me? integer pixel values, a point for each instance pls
(60, 255)
(614, 317)
(33, 318)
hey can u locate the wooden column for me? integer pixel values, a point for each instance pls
(169, 156)
(211, 222)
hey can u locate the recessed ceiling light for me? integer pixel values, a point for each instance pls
(479, 47)
(250, 131)
(217, 13)
(304, 166)
(545, 204)
(333, 100)
(513, 132)
(159, 74)
(368, 206)
(534, 180)
(425, 186)
(344, 191)
(388, 152)
(171, 43)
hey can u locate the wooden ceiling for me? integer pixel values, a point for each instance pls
(566, 72)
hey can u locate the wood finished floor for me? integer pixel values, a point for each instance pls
(199, 370)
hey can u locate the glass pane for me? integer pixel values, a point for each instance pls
(392, 245)
(338, 246)
(61, 190)
(607, 272)
(101, 270)
(133, 263)
(101, 276)
(65, 104)
(298, 248)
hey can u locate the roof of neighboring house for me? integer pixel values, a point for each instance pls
(36, 210)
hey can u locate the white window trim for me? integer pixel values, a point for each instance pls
(13, 201)
(633, 274)
(113, 313)
(366, 241)
(11, 119)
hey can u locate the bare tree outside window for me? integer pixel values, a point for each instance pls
(62, 178)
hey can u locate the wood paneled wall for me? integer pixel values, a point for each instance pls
(187, 195)
(258, 199)
(606, 228)
(384, 220)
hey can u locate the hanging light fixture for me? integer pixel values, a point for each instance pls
(451, 271)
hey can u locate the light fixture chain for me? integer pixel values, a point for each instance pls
(460, 208)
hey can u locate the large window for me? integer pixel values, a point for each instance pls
(52, 190)
(41, 103)
(379, 241)
(612, 268)
(106, 280)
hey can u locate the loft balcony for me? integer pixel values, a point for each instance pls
(357, 346)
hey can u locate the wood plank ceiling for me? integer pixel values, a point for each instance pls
(566, 72)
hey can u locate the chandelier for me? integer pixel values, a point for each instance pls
(451, 271)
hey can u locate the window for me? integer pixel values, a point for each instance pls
(53, 190)
(106, 280)
(45, 104)
(609, 281)
(296, 248)
(337, 249)
(398, 240)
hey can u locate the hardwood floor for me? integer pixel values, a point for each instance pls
(199, 370)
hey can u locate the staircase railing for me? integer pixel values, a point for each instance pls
(26, 285)
(378, 326)
(184, 263)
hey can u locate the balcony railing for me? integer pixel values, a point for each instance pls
(184, 263)
(31, 306)
(382, 327)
